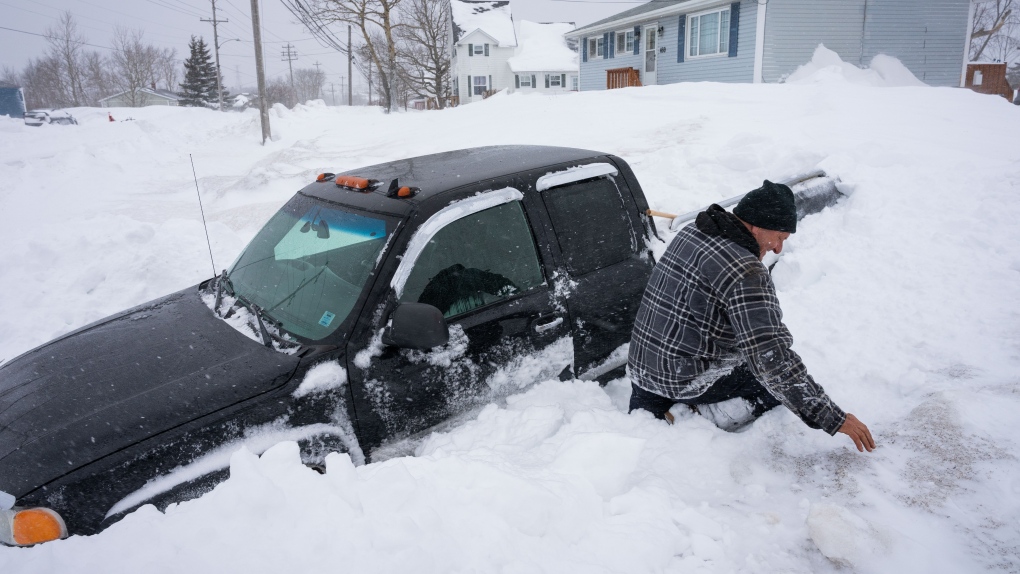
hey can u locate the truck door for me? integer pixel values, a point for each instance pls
(603, 254)
(477, 261)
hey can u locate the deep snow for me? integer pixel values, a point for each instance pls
(902, 300)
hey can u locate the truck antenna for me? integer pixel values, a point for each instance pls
(202, 209)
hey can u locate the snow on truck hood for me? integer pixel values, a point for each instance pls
(122, 380)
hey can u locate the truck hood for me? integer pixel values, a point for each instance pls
(122, 380)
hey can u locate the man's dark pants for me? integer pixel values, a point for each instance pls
(738, 383)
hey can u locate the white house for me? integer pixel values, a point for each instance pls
(544, 62)
(484, 40)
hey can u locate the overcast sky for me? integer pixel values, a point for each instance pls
(170, 23)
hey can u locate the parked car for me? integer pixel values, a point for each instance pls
(40, 117)
(374, 306)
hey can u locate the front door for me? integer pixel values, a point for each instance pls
(651, 55)
(477, 261)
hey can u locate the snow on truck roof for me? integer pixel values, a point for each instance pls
(543, 48)
(492, 17)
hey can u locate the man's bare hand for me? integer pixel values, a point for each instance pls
(859, 432)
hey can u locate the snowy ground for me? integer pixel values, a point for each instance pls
(903, 300)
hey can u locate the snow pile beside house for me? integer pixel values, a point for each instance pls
(901, 299)
(826, 66)
(543, 48)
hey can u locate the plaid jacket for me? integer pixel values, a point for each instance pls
(709, 306)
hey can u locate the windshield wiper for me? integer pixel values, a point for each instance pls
(219, 290)
(299, 287)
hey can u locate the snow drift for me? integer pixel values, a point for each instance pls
(901, 299)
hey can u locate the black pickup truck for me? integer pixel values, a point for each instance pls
(374, 306)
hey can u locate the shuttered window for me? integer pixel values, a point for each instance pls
(709, 33)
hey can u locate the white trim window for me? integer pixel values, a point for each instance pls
(554, 80)
(481, 84)
(592, 46)
(599, 45)
(479, 49)
(525, 80)
(624, 42)
(709, 33)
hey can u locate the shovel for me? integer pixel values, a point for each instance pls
(812, 192)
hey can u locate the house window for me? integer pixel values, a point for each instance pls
(479, 49)
(625, 42)
(481, 84)
(573, 83)
(554, 81)
(525, 80)
(710, 33)
(592, 47)
(598, 47)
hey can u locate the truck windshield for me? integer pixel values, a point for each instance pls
(307, 267)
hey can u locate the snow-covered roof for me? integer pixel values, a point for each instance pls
(543, 48)
(492, 17)
(159, 92)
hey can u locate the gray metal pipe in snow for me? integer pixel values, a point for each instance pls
(812, 191)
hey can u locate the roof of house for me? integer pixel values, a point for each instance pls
(491, 16)
(159, 92)
(636, 11)
(543, 48)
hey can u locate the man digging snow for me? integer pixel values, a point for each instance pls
(710, 329)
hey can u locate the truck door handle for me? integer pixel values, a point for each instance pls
(548, 325)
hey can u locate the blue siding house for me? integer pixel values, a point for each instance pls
(670, 41)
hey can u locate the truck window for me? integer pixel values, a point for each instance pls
(474, 261)
(591, 223)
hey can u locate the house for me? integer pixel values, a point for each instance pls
(484, 40)
(987, 78)
(670, 41)
(143, 97)
(12, 101)
(544, 61)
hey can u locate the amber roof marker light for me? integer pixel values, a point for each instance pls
(356, 183)
(29, 526)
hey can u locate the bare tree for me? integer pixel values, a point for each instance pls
(136, 65)
(374, 19)
(278, 92)
(424, 49)
(995, 26)
(66, 48)
(44, 87)
(308, 83)
(9, 78)
(167, 69)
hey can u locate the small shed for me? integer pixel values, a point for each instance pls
(988, 79)
(140, 98)
(12, 102)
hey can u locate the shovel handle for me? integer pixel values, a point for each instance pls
(654, 213)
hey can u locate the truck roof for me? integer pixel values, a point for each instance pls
(437, 173)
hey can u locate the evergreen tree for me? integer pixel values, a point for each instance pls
(199, 85)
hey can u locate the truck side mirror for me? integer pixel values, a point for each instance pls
(416, 326)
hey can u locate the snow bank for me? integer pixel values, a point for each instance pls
(901, 300)
(827, 67)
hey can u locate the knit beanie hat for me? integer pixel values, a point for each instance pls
(770, 206)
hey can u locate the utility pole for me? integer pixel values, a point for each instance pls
(332, 94)
(350, 85)
(317, 64)
(342, 88)
(260, 71)
(216, 42)
(289, 55)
